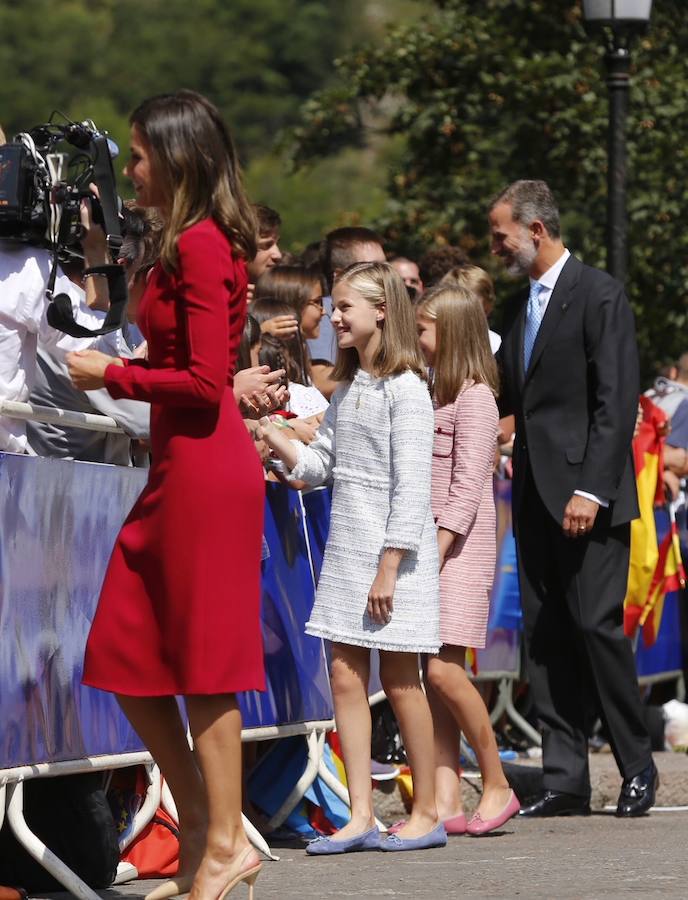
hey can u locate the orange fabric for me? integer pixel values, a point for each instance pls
(654, 569)
(155, 852)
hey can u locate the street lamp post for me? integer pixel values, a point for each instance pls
(621, 19)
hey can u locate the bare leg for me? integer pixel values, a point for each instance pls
(160, 727)
(447, 675)
(401, 681)
(349, 677)
(447, 751)
(215, 723)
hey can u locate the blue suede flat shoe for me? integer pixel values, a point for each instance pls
(325, 846)
(435, 838)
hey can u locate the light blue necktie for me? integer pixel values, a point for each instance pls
(534, 314)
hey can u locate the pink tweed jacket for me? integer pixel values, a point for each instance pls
(463, 502)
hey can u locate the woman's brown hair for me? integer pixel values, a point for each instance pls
(193, 157)
(382, 286)
(462, 343)
(294, 285)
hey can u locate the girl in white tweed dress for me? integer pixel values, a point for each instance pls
(454, 339)
(379, 585)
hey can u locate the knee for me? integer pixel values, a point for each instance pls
(444, 678)
(344, 681)
(398, 681)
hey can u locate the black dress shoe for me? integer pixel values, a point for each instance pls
(638, 793)
(557, 803)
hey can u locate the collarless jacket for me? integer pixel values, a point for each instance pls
(576, 405)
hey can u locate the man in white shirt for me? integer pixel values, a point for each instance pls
(24, 274)
(569, 368)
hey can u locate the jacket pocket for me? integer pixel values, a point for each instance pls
(443, 443)
(575, 454)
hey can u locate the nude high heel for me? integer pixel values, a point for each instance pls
(237, 876)
(172, 888)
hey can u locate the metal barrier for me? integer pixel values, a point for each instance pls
(58, 523)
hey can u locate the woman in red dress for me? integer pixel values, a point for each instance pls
(179, 609)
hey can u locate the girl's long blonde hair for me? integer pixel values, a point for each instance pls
(462, 343)
(193, 156)
(382, 286)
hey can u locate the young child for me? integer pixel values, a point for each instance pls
(454, 339)
(379, 582)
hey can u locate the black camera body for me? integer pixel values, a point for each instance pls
(39, 207)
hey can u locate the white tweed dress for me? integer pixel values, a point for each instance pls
(376, 441)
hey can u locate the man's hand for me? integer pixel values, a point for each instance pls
(93, 240)
(87, 368)
(579, 516)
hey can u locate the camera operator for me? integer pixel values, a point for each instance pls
(54, 388)
(24, 275)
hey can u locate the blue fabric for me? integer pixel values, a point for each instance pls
(58, 523)
(679, 427)
(534, 314)
(325, 345)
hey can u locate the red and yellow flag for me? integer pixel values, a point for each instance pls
(654, 568)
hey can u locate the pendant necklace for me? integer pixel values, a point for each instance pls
(361, 389)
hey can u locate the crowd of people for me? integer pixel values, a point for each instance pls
(379, 375)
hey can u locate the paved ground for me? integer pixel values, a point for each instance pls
(586, 859)
(554, 859)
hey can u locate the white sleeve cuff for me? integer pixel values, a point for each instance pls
(599, 500)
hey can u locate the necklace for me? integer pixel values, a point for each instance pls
(361, 391)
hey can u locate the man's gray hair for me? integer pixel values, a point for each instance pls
(531, 200)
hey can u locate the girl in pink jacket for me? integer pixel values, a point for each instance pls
(454, 339)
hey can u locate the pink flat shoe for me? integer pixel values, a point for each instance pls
(478, 825)
(455, 825)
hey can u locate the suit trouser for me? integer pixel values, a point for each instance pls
(580, 664)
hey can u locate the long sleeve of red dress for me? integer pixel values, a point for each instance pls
(201, 378)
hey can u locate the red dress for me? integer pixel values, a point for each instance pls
(179, 608)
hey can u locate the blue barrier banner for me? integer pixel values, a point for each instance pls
(58, 524)
(505, 601)
(298, 688)
(666, 654)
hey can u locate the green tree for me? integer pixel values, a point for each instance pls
(493, 90)
(258, 60)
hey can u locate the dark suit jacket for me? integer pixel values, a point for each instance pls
(576, 406)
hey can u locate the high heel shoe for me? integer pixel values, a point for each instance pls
(237, 876)
(171, 888)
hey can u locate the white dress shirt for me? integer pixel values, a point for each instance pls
(24, 274)
(547, 283)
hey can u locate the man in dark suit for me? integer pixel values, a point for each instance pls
(570, 376)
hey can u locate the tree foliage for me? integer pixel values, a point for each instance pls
(493, 90)
(258, 60)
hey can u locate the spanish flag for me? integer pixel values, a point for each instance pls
(654, 568)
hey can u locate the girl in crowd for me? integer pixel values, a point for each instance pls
(249, 347)
(179, 608)
(379, 582)
(290, 353)
(301, 288)
(454, 340)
